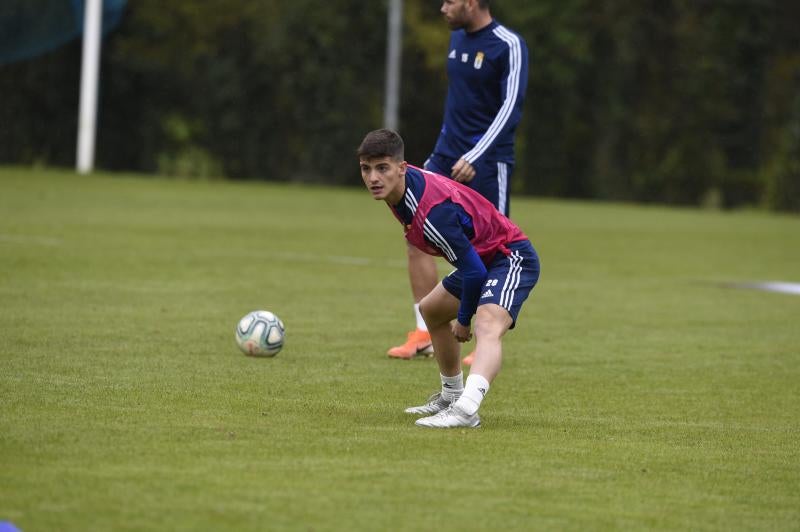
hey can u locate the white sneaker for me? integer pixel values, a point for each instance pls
(449, 418)
(436, 403)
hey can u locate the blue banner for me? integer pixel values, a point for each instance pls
(29, 28)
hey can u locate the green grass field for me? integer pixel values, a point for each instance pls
(638, 392)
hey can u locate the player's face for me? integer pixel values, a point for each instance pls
(456, 13)
(384, 177)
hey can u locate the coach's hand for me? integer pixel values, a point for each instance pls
(462, 171)
(461, 332)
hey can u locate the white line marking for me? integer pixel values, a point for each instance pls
(772, 286)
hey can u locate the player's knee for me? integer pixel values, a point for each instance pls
(491, 323)
(426, 309)
(431, 312)
(487, 329)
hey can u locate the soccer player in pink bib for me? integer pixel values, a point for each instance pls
(496, 269)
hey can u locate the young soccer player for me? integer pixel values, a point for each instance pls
(487, 72)
(496, 269)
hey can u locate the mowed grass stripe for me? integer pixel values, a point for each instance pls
(636, 391)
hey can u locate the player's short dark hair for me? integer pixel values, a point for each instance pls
(484, 4)
(382, 143)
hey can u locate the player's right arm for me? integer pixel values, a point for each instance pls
(514, 81)
(462, 171)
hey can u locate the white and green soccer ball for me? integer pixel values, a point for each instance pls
(260, 334)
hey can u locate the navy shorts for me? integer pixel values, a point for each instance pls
(491, 178)
(509, 279)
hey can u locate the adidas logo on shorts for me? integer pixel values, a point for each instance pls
(486, 294)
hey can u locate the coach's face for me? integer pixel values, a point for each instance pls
(457, 13)
(385, 178)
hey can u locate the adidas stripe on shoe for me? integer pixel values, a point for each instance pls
(436, 403)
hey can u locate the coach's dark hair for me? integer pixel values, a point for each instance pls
(382, 143)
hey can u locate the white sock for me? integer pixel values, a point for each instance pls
(452, 387)
(420, 322)
(474, 391)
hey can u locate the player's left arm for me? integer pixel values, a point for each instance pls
(447, 227)
(473, 275)
(514, 81)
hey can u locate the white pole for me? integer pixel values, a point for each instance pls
(90, 70)
(393, 62)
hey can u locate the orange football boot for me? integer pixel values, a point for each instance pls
(417, 344)
(469, 359)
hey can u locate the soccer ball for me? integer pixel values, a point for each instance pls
(260, 334)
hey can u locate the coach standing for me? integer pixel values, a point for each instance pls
(487, 70)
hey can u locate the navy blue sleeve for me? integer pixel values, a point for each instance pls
(514, 82)
(449, 228)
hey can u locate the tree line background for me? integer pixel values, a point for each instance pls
(692, 102)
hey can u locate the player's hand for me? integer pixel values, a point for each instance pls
(462, 333)
(462, 171)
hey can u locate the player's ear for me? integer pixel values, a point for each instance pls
(403, 167)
